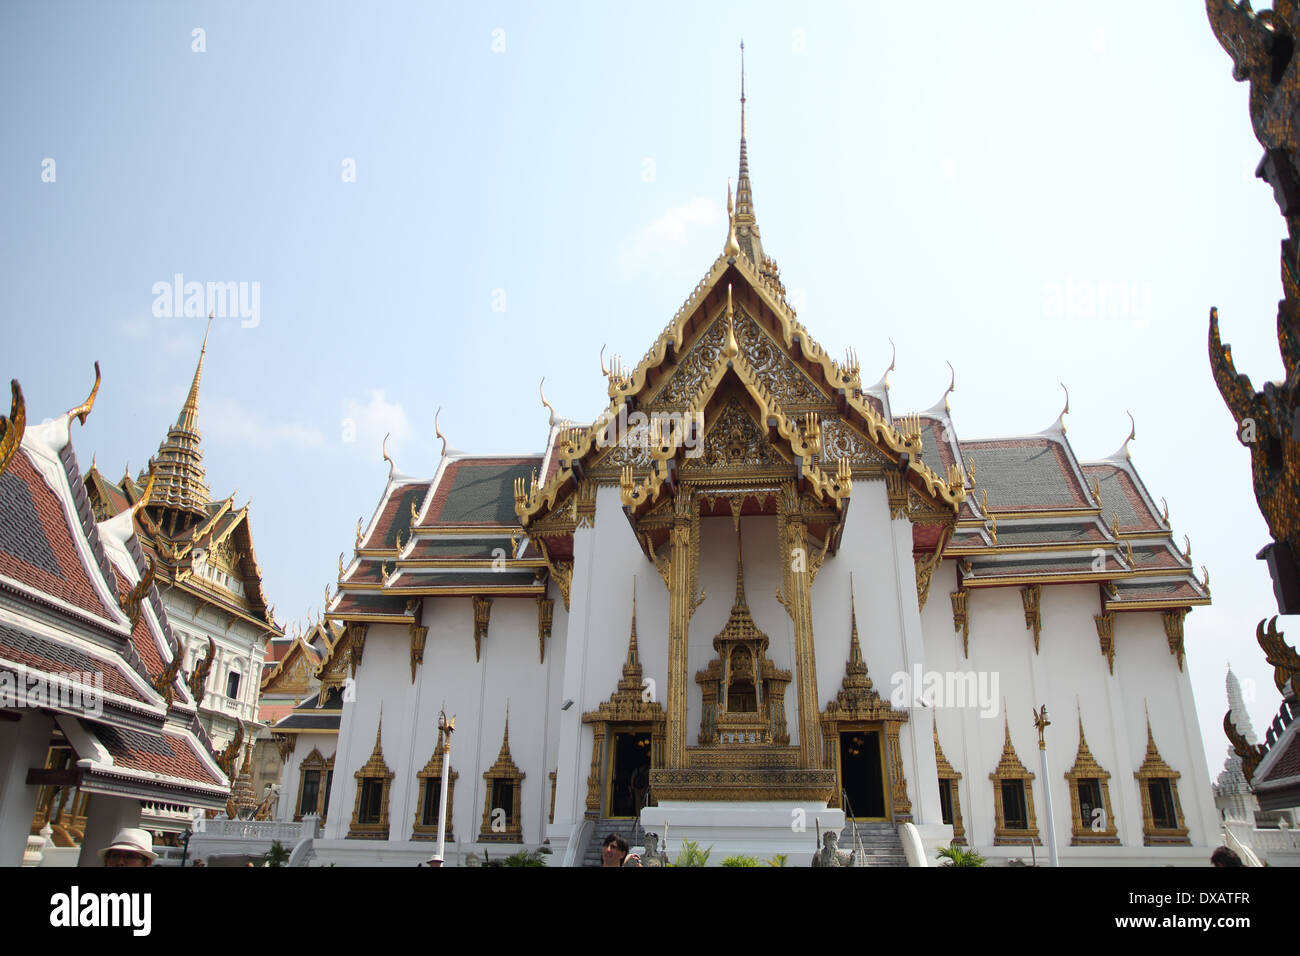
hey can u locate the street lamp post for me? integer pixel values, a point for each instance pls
(445, 726)
(1042, 723)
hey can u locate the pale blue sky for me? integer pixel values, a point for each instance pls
(933, 173)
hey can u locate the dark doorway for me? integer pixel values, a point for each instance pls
(629, 780)
(862, 775)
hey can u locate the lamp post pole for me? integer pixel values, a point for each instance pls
(445, 727)
(1042, 723)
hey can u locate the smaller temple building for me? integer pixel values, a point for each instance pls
(99, 721)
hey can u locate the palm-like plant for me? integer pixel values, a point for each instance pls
(959, 856)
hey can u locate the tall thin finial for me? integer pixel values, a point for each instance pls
(742, 88)
(740, 571)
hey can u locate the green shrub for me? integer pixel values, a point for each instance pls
(778, 860)
(276, 856)
(740, 861)
(692, 855)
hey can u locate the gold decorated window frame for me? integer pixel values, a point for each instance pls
(313, 761)
(1154, 768)
(1086, 768)
(1010, 768)
(374, 769)
(431, 776)
(950, 778)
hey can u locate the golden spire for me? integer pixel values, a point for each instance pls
(179, 462)
(745, 224)
(632, 680)
(189, 416)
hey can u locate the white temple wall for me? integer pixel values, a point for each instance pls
(1152, 683)
(291, 774)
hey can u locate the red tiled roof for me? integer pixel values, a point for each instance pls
(1145, 520)
(396, 516)
(41, 653)
(164, 753)
(42, 525)
(1025, 474)
(1287, 765)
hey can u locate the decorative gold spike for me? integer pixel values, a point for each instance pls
(12, 428)
(340, 565)
(952, 387)
(82, 410)
(358, 532)
(392, 466)
(399, 540)
(327, 597)
(1066, 410)
(383, 573)
(415, 513)
(549, 407)
(1206, 583)
(1096, 489)
(1132, 433)
(731, 248)
(603, 370)
(1187, 549)
(1165, 515)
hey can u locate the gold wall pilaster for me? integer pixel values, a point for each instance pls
(797, 598)
(683, 568)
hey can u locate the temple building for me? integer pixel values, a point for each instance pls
(99, 724)
(202, 552)
(753, 603)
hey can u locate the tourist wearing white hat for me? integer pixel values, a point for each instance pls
(131, 847)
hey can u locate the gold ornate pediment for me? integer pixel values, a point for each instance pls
(789, 384)
(734, 442)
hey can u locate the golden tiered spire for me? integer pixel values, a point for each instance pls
(178, 465)
(746, 224)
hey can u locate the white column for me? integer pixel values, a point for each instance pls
(105, 816)
(23, 746)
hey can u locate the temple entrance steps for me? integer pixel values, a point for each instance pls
(879, 840)
(627, 827)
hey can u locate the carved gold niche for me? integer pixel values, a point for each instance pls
(431, 776)
(503, 793)
(743, 691)
(374, 781)
(858, 706)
